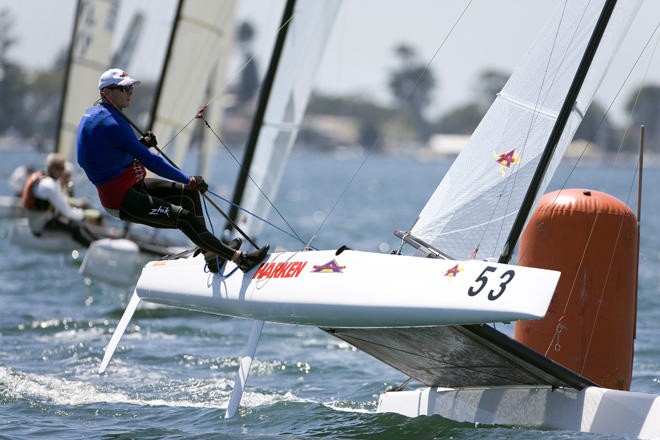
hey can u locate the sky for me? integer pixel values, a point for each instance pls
(492, 34)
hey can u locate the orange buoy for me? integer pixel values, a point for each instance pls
(592, 239)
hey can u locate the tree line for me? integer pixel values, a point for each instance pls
(30, 102)
(412, 87)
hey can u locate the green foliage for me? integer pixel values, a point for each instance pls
(461, 120)
(488, 85)
(643, 107)
(412, 85)
(597, 129)
(247, 87)
(12, 98)
(11, 76)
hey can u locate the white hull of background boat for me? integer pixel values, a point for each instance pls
(49, 241)
(114, 261)
(119, 261)
(11, 207)
(354, 289)
(592, 409)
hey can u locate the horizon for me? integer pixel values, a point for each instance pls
(358, 62)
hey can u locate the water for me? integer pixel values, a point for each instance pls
(172, 374)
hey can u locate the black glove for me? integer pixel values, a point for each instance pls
(198, 183)
(149, 140)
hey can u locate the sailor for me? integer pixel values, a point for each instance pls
(47, 206)
(114, 160)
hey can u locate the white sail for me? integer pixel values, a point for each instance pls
(476, 203)
(91, 52)
(216, 108)
(303, 50)
(200, 38)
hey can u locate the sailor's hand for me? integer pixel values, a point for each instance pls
(92, 216)
(78, 202)
(149, 140)
(198, 183)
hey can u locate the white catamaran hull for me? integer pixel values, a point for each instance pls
(11, 207)
(114, 261)
(354, 289)
(592, 409)
(49, 241)
(119, 261)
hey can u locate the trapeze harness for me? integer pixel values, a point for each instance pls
(30, 201)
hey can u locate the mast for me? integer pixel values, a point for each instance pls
(67, 71)
(257, 121)
(170, 45)
(557, 130)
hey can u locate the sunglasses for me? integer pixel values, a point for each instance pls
(124, 89)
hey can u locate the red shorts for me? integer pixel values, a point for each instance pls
(112, 193)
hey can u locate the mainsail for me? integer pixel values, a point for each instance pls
(474, 207)
(90, 53)
(200, 37)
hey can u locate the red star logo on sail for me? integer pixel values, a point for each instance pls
(454, 271)
(505, 160)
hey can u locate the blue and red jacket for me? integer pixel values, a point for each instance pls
(113, 158)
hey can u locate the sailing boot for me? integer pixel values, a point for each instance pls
(246, 261)
(214, 261)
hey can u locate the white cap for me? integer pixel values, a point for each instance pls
(116, 77)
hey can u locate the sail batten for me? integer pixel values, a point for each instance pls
(490, 177)
(527, 105)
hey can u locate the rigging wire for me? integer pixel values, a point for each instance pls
(655, 34)
(223, 89)
(267, 222)
(372, 148)
(270, 202)
(637, 173)
(200, 115)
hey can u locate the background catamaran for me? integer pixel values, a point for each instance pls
(90, 52)
(425, 314)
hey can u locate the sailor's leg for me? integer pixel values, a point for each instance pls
(140, 207)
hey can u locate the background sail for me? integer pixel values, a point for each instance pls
(91, 52)
(303, 50)
(201, 36)
(476, 202)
